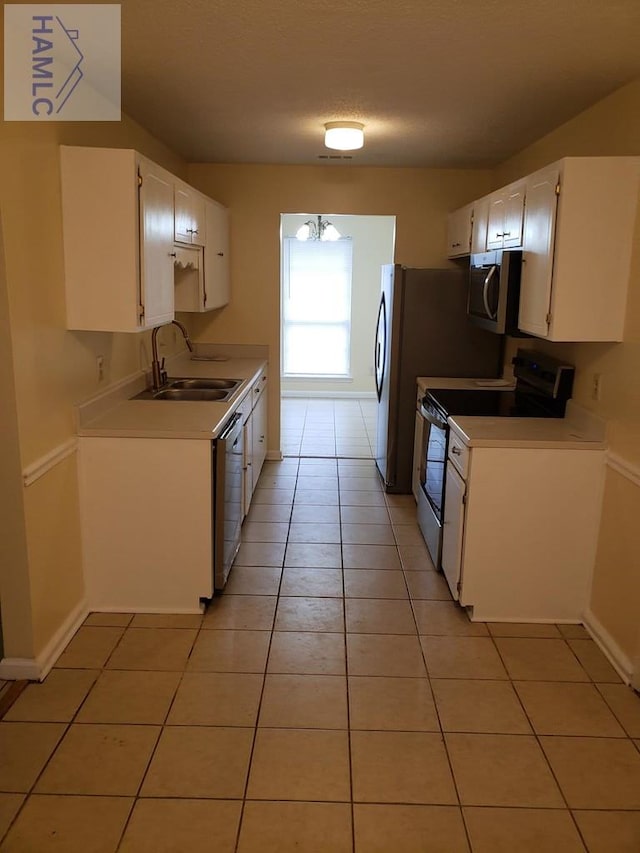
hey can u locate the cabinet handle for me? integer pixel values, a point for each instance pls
(507, 234)
(221, 254)
(173, 254)
(455, 451)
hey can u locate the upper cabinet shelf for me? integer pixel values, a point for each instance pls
(574, 221)
(124, 220)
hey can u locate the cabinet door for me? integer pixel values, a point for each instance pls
(480, 225)
(259, 427)
(459, 232)
(156, 245)
(453, 529)
(189, 224)
(247, 465)
(513, 216)
(216, 257)
(537, 256)
(495, 223)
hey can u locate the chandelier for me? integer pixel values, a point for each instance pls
(320, 230)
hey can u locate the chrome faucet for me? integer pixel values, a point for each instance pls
(157, 367)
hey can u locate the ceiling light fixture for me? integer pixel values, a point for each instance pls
(344, 135)
(322, 230)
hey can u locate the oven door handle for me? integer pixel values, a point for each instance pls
(485, 292)
(230, 427)
(432, 419)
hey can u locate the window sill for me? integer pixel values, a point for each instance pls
(325, 377)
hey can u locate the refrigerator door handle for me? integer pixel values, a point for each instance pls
(380, 349)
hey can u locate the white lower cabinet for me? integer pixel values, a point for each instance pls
(146, 509)
(520, 536)
(254, 408)
(259, 432)
(452, 530)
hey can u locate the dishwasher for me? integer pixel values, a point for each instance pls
(227, 459)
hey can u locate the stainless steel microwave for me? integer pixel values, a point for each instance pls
(494, 291)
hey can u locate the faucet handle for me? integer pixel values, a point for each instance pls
(163, 372)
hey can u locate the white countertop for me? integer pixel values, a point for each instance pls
(561, 433)
(116, 415)
(579, 429)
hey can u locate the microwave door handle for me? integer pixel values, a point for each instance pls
(432, 419)
(485, 292)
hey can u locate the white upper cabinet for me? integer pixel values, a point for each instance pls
(139, 243)
(577, 243)
(459, 232)
(506, 213)
(117, 210)
(467, 229)
(202, 275)
(189, 215)
(216, 256)
(480, 225)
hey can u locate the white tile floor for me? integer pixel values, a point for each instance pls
(333, 700)
(328, 427)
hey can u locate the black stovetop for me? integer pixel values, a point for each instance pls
(494, 403)
(543, 386)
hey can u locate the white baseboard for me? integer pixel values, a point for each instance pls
(36, 669)
(19, 669)
(329, 395)
(274, 456)
(619, 660)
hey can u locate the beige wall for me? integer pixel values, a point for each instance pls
(15, 590)
(41, 573)
(611, 127)
(258, 195)
(616, 583)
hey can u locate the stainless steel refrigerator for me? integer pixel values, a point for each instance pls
(422, 330)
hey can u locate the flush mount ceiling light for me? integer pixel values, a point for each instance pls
(322, 230)
(344, 135)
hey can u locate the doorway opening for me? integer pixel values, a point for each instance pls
(330, 291)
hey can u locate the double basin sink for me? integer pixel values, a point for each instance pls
(212, 390)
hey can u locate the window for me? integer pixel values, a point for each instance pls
(316, 307)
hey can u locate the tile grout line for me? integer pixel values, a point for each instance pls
(346, 668)
(436, 709)
(264, 677)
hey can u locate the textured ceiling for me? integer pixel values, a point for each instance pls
(443, 83)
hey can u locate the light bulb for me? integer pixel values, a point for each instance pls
(303, 232)
(330, 233)
(344, 135)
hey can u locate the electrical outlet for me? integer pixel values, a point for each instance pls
(596, 386)
(100, 366)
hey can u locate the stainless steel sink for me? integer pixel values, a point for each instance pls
(227, 384)
(212, 390)
(191, 394)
